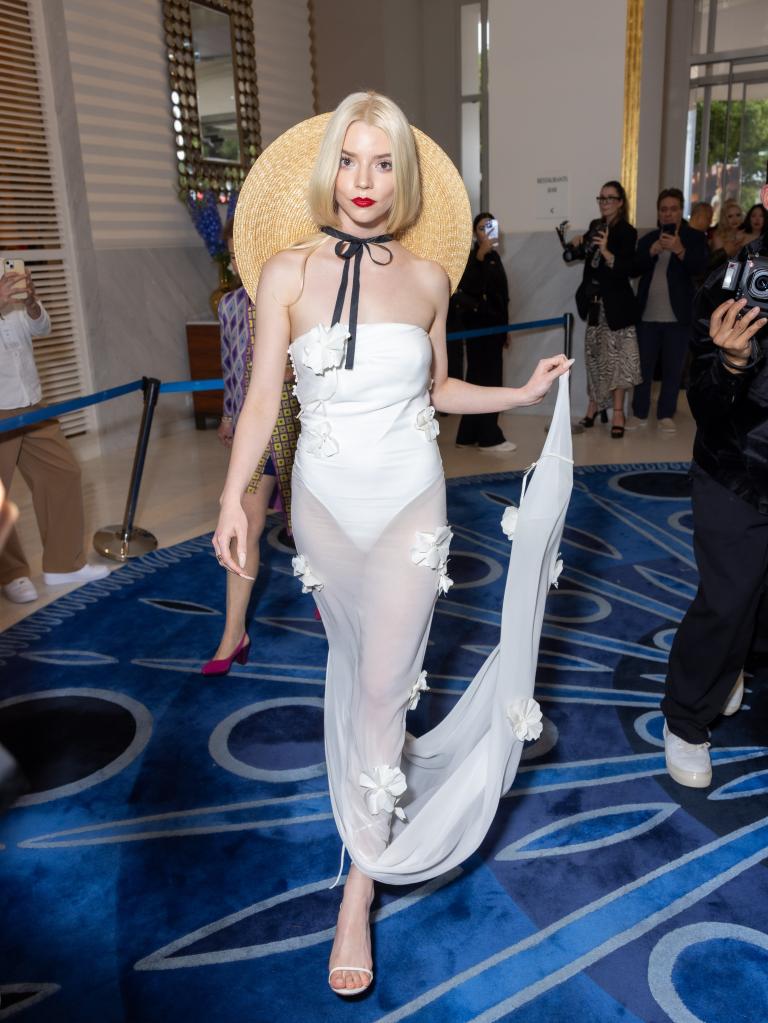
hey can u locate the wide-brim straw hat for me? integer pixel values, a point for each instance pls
(272, 212)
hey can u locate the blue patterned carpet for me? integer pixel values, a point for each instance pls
(173, 858)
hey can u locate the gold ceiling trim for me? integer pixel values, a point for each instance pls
(633, 71)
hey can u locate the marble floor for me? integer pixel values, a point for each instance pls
(184, 473)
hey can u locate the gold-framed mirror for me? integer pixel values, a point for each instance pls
(213, 92)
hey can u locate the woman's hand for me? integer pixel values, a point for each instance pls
(226, 432)
(732, 333)
(601, 240)
(542, 378)
(232, 525)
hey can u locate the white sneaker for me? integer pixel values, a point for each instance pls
(733, 702)
(667, 425)
(687, 763)
(633, 423)
(504, 446)
(86, 574)
(21, 590)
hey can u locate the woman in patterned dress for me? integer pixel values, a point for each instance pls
(270, 485)
(605, 299)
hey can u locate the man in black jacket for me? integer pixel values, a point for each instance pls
(728, 395)
(667, 260)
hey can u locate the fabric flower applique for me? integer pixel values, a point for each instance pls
(509, 521)
(384, 785)
(419, 686)
(302, 571)
(444, 583)
(325, 349)
(431, 549)
(320, 441)
(426, 422)
(554, 574)
(525, 717)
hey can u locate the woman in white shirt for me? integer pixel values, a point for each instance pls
(41, 452)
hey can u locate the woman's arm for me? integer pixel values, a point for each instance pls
(260, 408)
(618, 249)
(452, 395)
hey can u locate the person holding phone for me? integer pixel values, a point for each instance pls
(606, 301)
(668, 262)
(40, 451)
(481, 300)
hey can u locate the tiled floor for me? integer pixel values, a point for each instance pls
(184, 474)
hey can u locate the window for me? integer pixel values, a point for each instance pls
(727, 137)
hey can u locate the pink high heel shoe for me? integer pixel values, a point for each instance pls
(222, 666)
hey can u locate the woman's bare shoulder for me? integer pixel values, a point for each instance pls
(432, 276)
(282, 274)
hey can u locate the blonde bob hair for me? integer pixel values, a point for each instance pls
(380, 112)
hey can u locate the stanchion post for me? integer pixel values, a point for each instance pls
(568, 334)
(119, 543)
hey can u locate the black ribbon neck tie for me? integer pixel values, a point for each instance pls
(350, 248)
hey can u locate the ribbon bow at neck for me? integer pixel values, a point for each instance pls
(350, 248)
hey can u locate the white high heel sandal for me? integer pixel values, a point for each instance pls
(346, 991)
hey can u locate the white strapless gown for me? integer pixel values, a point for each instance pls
(372, 545)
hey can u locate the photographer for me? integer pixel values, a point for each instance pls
(728, 395)
(668, 262)
(606, 301)
(481, 300)
(40, 452)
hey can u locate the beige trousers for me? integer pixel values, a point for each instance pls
(46, 462)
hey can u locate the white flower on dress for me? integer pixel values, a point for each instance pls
(325, 348)
(444, 583)
(384, 785)
(320, 441)
(554, 575)
(302, 571)
(509, 521)
(525, 717)
(426, 422)
(419, 686)
(431, 549)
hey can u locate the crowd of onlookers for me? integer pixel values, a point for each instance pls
(635, 296)
(637, 333)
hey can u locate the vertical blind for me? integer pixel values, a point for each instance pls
(31, 205)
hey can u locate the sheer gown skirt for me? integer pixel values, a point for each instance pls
(376, 605)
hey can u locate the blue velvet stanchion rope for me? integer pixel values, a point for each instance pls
(185, 386)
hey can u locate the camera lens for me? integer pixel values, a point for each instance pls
(758, 284)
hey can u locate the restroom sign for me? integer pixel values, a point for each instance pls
(552, 197)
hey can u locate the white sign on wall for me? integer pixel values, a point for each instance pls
(552, 197)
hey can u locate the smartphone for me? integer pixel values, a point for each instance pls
(14, 266)
(667, 228)
(492, 230)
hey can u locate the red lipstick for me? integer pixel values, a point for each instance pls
(362, 201)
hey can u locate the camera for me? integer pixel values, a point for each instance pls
(588, 244)
(748, 279)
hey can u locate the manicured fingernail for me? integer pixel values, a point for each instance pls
(241, 558)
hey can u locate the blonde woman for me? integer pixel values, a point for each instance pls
(369, 514)
(728, 238)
